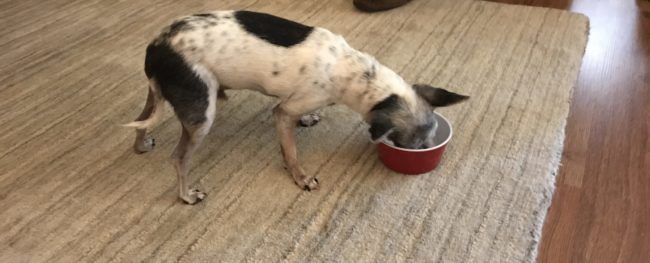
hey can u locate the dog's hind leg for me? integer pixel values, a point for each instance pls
(195, 106)
(191, 138)
(143, 143)
(191, 89)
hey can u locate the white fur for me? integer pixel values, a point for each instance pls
(240, 60)
(213, 85)
(156, 113)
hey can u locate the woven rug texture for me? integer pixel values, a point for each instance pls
(72, 190)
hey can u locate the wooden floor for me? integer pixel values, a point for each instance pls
(600, 212)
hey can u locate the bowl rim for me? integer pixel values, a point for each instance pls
(451, 134)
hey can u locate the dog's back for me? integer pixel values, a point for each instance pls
(251, 50)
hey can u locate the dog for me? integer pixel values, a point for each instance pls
(196, 58)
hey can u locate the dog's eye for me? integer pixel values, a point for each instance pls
(425, 127)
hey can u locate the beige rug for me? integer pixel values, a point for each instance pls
(71, 190)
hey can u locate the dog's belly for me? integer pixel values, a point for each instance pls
(254, 78)
(232, 80)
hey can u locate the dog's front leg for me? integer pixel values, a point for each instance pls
(286, 124)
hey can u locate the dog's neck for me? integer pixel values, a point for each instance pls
(360, 82)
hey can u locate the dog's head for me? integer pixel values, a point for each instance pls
(410, 124)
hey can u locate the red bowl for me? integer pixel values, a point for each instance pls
(417, 161)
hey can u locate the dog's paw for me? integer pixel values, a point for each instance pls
(193, 197)
(308, 184)
(145, 145)
(303, 181)
(309, 120)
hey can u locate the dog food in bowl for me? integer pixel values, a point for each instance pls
(416, 161)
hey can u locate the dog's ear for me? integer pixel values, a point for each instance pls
(438, 97)
(379, 128)
(380, 123)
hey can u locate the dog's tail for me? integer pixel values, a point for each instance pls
(157, 105)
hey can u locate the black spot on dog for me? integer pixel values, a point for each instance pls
(207, 15)
(178, 26)
(381, 123)
(303, 68)
(315, 82)
(370, 73)
(380, 126)
(275, 30)
(276, 69)
(178, 83)
(391, 102)
(333, 50)
(366, 75)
